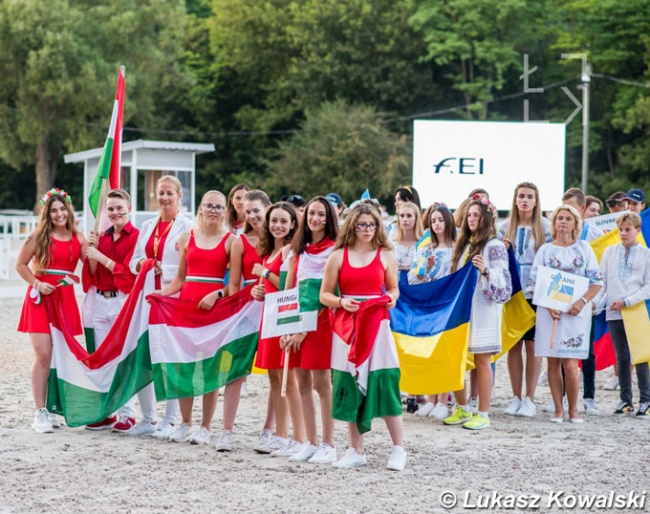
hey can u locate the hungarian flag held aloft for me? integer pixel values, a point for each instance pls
(195, 351)
(365, 366)
(108, 169)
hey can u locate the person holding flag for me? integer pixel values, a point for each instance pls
(365, 367)
(107, 280)
(158, 240)
(53, 250)
(312, 245)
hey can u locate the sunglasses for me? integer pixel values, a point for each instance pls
(216, 208)
(365, 227)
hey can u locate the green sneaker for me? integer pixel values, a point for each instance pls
(458, 417)
(478, 422)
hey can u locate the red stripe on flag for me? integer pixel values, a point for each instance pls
(116, 160)
(287, 308)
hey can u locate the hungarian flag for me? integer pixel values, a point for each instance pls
(309, 275)
(195, 351)
(87, 388)
(108, 169)
(365, 366)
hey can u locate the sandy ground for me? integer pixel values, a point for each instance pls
(517, 460)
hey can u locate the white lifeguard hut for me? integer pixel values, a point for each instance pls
(143, 163)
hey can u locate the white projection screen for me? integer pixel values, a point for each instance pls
(450, 158)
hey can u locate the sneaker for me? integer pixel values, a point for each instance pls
(325, 454)
(352, 459)
(275, 443)
(200, 437)
(643, 412)
(611, 384)
(527, 409)
(56, 420)
(624, 408)
(123, 424)
(42, 423)
(141, 429)
(591, 407)
(291, 448)
(439, 412)
(397, 459)
(477, 422)
(244, 391)
(224, 442)
(473, 405)
(181, 434)
(106, 424)
(458, 417)
(514, 407)
(412, 404)
(164, 431)
(543, 379)
(265, 436)
(425, 410)
(307, 452)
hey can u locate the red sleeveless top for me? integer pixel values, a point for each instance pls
(274, 267)
(249, 259)
(364, 281)
(205, 269)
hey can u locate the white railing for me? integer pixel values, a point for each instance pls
(13, 231)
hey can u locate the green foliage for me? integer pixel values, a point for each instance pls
(342, 148)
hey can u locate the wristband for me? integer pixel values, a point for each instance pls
(584, 300)
(108, 263)
(266, 273)
(486, 272)
(220, 294)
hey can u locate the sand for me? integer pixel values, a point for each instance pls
(518, 460)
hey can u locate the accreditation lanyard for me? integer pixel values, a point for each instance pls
(157, 237)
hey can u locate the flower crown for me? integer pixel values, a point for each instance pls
(55, 191)
(487, 203)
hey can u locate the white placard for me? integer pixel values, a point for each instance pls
(606, 222)
(282, 315)
(555, 289)
(450, 158)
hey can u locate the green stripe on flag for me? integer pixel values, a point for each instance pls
(308, 294)
(291, 319)
(382, 399)
(103, 172)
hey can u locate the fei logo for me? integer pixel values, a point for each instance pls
(461, 165)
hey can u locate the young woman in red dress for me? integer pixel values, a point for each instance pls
(53, 250)
(312, 245)
(236, 212)
(203, 259)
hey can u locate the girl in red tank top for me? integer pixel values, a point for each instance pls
(53, 250)
(312, 245)
(203, 259)
(362, 270)
(280, 223)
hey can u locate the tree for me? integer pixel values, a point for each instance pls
(342, 148)
(58, 63)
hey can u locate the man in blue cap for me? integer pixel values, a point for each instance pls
(337, 201)
(635, 200)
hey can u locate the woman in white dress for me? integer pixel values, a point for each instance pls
(526, 230)
(479, 245)
(409, 232)
(569, 254)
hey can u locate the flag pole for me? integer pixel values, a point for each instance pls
(100, 207)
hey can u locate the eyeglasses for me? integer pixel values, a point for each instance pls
(216, 208)
(365, 227)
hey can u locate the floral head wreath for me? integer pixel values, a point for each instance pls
(487, 203)
(55, 191)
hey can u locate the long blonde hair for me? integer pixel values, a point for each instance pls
(537, 227)
(44, 229)
(348, 234)
(199, 212)
(417, 229)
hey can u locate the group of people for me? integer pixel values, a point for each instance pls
(246, 242)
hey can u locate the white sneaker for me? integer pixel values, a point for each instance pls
(244, 391)
(290, 449)
(440, 412)
(265, 436)
(164, 431)
(425, 410)
(325, 454)
(611, 384)
(42, 423)
(307, 452)
(200, 437)
(181, 434)
(527, 409)
(56, 420)
(141, 429)
(351, 460)
(224, 442)
(591, 407)
(397, 459)
(514, 407)
(275, 443)
(543, 379)
(473, 405)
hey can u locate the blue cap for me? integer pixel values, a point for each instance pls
(335, 199)
(636, 195)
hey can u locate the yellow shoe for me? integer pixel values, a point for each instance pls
(478, 422)
(458, 417)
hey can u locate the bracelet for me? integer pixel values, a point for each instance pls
(108, 263)
(341, 301)
(584, 300)
(266, 273)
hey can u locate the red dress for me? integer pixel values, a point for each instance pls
(249, 259)
(205, 269)
(64, 258)
(364, 282)
(269, 353)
